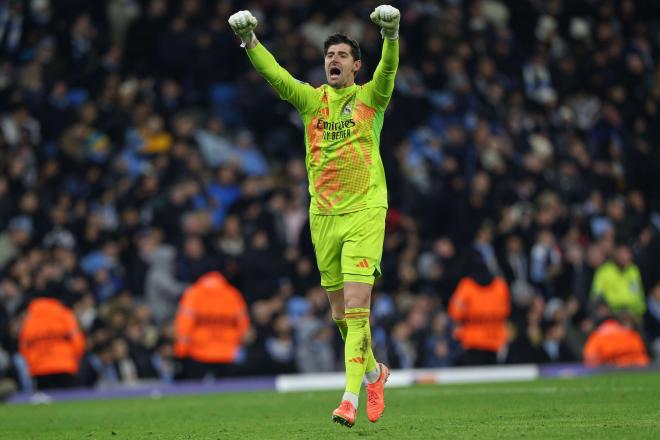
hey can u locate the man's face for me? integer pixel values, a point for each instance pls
(340, 67)
(623, 256)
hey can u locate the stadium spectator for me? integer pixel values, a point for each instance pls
(98, 367)
(194, 261)
(515, 266)
(51, 342)
(17, 237)
(545, 263)
(251, 160)
(554, 342)
(480, 307)
(617, 344)
(8, 292)
(280, 346)
(554, 327)
(210, 325)
(619, 283)
(527, 338)
(441, 349)
(161, 289)
(261, 314)
(402, 352)
(313, 336)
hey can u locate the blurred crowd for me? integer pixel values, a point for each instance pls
(140, 151)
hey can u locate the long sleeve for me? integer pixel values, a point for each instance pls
(382, 84)
(639, 302)
(183, 325)
(597, 285)
(457, 303)
(300, 95)
(505, 311)
(25, 336)
(591, 352)
(167, 285)
(242, 313)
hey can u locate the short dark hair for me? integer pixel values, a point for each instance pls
(339, 38)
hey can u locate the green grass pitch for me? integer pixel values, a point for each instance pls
(621, 406)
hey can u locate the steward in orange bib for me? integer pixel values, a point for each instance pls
(211, 321)
(51, 342)
(614, 344)
(480, 307)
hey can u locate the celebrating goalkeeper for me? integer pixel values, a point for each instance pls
(343, 122)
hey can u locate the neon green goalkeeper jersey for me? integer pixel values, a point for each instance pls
(342, 132)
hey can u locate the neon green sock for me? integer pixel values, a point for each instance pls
(370, 365)
(343, 328)
(371, 359)
(357, 347)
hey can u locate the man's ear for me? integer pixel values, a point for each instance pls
(357, 64)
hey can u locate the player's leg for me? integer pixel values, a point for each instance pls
(327, 248)
(363, 240)
(361, 257)
(336, 299)
(358, 354)
(358, 338)
(357, 298)
(337, 307)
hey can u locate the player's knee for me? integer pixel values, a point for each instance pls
(357, 295)
(336, 299)
(337, 309)
(357, 303)
(357, 300)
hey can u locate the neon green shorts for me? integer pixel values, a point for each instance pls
(348, 246)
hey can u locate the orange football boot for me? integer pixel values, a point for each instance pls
(376, 395)
(345, 414)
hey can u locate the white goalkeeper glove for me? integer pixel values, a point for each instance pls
(243, 24)
(387, 17)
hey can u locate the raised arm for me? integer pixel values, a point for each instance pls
(382, 84)
(184, 324)
(300, 94)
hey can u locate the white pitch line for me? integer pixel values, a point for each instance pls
(518, 390)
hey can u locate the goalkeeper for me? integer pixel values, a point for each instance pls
(342, 123)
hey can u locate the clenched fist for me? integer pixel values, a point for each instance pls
(387, 17)
(243, 24)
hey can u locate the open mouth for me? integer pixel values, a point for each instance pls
(335, 72)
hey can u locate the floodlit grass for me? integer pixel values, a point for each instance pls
(622, 406)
